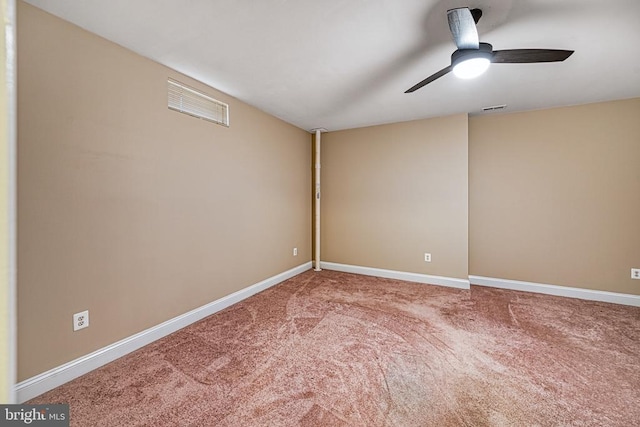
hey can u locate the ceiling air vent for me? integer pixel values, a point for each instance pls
(494, 108)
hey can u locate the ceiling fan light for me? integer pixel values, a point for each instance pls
(470, 63)
(471, 67)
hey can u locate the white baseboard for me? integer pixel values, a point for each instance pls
(563, 291)
(400, 275)
(55, 377)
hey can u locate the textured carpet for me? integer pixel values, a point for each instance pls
(336, 349)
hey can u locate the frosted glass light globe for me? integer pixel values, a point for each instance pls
(471, 67)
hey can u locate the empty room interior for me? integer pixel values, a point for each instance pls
(355, 239)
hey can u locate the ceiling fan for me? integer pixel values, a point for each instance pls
(472, 58)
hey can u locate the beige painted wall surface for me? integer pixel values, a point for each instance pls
(133, 211)
(391, 193)
(555, 196)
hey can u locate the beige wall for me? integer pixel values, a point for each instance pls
(555, 196)
(391, 193)
(7, 207)
(133, 211)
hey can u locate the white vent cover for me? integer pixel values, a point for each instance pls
(495, 107)
(195, 103)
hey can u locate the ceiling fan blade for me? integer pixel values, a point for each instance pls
(477, 14)
(525, 56)
(429, 79)
(463, 28)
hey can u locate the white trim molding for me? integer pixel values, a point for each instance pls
(563, 291)
(399, 275)
(8, 142)
(55, 377)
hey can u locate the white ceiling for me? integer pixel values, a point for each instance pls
(341, 64)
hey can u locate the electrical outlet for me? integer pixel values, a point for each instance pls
(81, 320)
(635, 273)
(427, 257)
(295, 251)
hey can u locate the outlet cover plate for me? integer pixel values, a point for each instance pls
(635, 273)
(81, 320)
(427, 257)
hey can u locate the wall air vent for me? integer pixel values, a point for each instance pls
(190, 101)
(494, 108)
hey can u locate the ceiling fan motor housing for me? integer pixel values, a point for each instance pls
(485, 50)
